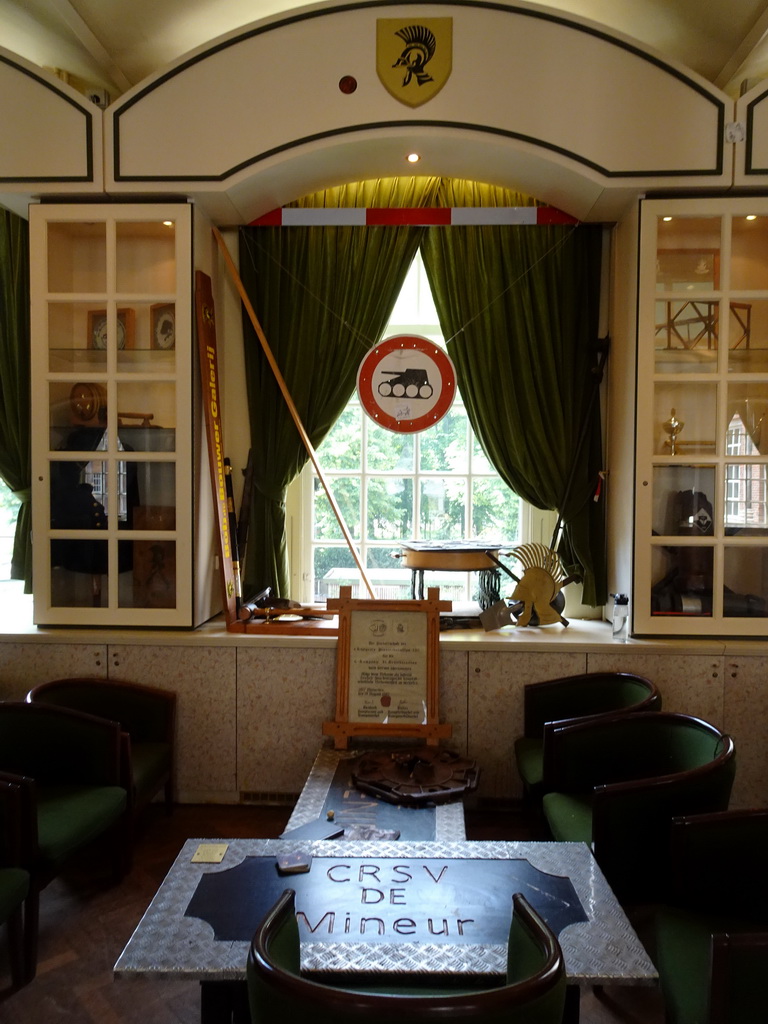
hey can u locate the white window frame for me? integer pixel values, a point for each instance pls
(745, 482)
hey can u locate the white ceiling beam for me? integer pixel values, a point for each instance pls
(93, 45)
(746, 48)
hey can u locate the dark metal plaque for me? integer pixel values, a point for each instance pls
(382, 899)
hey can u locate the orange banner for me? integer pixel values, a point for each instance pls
(209, 373)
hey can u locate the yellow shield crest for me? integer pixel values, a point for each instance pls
(414, 57)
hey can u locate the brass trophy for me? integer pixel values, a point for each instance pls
(672, 426)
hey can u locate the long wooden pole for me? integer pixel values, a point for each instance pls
(291, 407)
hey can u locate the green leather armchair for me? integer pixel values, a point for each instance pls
(712, 926)
(67, 766)
(617, 782)
(551, 702)
(534, 992)
(14, 879)
(147, 715)
(737, 986)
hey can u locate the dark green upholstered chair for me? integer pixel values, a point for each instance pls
(712, 928)
(145, 713)
(739, 971)
(534, 992)
(553, 701)
(14, 880)
(69, 769)
(617, 782)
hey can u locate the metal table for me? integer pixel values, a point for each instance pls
(168, 943)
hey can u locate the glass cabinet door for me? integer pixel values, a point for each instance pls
(112, 424)
(702, 452)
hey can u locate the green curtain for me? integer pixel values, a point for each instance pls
(15, 383)
(323, 296)
(519, 309)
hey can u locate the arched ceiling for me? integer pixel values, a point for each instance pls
(114, 44)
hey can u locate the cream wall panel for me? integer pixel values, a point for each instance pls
(285, 694)
(495, 693)
(453, 697)
(22, 666)
(204, 680)
(526, 76)
(572, 89)
(751, 165)
(51, 133)
(746, 719)
(689, 683)
(283, 697)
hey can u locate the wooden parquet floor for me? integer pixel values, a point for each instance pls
(85, 922)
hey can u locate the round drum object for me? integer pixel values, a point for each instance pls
(88, 401)
(466, 556)
(415, 777)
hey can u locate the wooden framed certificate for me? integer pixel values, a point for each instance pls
(387, 668)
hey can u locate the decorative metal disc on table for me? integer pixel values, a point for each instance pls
(423, 776)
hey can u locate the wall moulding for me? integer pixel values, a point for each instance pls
(510, 104)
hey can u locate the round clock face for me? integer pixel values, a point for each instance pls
(165, 330)
(100, 333)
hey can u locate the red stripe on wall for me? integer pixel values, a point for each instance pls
(273, 219)
(424, 216)
(549, 215)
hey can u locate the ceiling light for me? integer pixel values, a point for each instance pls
(751, 216)
(413, 158)
(666, 218)
(168, 223)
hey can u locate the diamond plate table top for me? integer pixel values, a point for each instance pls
(168, 944)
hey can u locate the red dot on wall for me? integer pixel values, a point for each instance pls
(347, 84)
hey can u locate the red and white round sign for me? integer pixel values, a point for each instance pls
(406, 383)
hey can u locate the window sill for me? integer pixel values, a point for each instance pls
(581, 636)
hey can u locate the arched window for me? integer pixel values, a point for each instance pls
(434, 485)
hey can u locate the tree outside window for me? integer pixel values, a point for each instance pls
(9, 510)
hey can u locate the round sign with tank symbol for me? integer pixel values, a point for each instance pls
(406, 383)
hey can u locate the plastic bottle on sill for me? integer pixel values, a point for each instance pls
(620, 617)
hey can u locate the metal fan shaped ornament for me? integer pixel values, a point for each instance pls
(542, 580)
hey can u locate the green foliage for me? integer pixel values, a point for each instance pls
(495, 510)
(342, 448)
(9, 506)
(390, 508)
(443, 448)
(442, 451)
(388, 452)
(442, 509)
(331, 558)
(346, 494)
